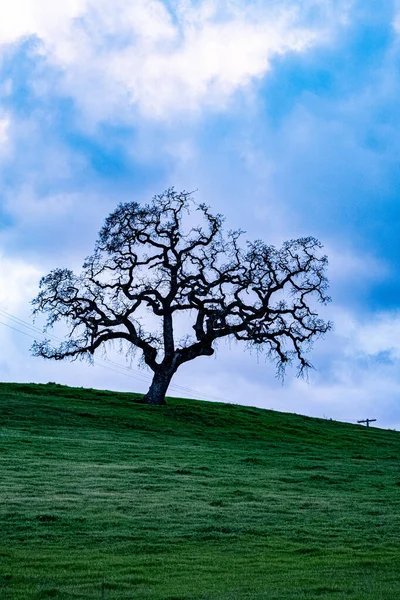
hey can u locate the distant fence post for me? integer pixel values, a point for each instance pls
(367, 421)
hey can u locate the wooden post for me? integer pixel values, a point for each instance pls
(367, 421)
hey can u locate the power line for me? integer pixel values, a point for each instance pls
(24, 323)
(144, 376)
(102, 366)
(37, 330)
(122, 369)
(15, 329)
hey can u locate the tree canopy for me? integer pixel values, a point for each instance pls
(166, 279)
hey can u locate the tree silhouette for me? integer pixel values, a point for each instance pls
(171, 258)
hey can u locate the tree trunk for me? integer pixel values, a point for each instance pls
(158, 388)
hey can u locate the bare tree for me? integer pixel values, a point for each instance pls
(153, 259)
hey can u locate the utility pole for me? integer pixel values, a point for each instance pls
(367, 421)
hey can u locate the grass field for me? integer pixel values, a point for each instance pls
(102, 497)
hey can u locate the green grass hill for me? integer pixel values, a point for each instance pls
(102, 497)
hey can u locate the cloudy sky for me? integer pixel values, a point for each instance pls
(284, 115)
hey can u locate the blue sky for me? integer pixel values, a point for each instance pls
(283, 115)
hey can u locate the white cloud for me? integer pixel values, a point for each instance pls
(5, 137)
(18, 282)
(381, 335)
(43, 18)
(396, 19)
(366, 340)
(30, 209)
(4, 125)
(138, 53)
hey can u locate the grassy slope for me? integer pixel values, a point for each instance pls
(105, 498)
